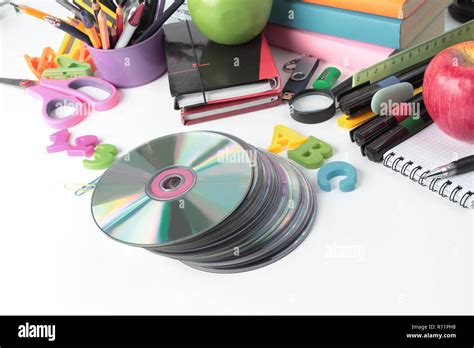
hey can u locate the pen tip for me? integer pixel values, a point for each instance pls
(435, 173)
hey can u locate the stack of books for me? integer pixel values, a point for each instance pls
(354, 33)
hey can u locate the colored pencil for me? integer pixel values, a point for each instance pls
(30, 11)
(66, 45)
(119, 20)
(96, 9)
(104, 30)
(76, 23)
(113, 37)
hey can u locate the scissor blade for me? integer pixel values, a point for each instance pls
(17, 82)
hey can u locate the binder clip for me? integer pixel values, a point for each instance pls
(68, 68)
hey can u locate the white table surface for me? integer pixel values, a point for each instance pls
(390, 247)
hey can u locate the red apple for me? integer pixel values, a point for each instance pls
(448, 91)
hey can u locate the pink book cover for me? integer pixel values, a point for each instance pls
(350, 54)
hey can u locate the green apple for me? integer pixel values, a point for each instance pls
(230, 22)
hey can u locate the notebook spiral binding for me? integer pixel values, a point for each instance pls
(416, 173)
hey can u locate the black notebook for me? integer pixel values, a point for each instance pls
(203, 72)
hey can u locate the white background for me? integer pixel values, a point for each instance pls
(390, 247)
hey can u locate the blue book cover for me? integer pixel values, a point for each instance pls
(378, 30)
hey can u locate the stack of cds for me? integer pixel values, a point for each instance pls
(207, 199)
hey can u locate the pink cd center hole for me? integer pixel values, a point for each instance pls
(172, 182)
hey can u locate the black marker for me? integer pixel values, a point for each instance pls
(405, 130)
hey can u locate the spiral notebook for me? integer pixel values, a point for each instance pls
(427, 150)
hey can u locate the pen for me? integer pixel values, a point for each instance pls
(160, 9)
(104, 30)
(405, 130)
(160, 21)
(90, 28)
(462, 166)
(130, 28)
(67, 28)
(67, 5)
(149, 15)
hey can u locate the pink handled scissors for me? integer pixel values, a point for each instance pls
(65, 93)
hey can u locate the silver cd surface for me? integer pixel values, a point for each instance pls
(172, 189)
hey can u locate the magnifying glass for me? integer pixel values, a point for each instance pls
(313, 106)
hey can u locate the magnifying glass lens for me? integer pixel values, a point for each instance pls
(313, 106)
(312, 103)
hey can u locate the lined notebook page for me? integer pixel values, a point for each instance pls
(429, 149)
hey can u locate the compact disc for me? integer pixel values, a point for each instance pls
(173, 189)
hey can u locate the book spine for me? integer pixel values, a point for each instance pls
(377, 30)
(416, 173)
(350, 54)
(393, 9)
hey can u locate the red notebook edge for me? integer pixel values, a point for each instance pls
(220, 111)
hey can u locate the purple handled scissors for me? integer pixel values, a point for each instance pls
(65, 93)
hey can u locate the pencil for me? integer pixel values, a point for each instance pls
(90, 28)
(66, 45)
(30, 11)
(76, 23)
(96, 9)
(104, 30)
(119, 20)
(68, 29)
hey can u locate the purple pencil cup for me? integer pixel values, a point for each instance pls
(132, 66)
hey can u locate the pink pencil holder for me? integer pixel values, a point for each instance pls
(132, 66)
